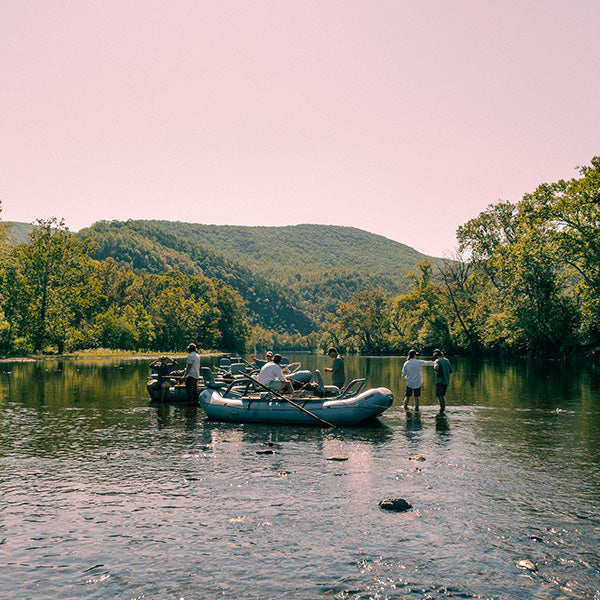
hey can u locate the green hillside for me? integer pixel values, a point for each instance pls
(146, 248)
(304, 249)
(290, 277)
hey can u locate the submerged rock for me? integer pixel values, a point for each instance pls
(525, 563)
(395, 504)
(418, 457)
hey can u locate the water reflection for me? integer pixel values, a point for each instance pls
(413, 423)
(442, 425)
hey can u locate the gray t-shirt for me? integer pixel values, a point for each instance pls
(442, 368)
(338, 374)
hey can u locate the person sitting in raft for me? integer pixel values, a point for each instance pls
(162, 366)
(258, 363)
(272, 376)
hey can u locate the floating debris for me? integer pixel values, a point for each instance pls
(395, 504)
(237, 520)
(419, 457)
(264, 452)
(340, 458)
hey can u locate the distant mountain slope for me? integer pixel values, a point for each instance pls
(305, 248)
(18, 233)
(290, 277)
(145, 247)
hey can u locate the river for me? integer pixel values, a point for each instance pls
(105, 496)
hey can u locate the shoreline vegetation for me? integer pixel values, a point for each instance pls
(525, 282)
(105, 353)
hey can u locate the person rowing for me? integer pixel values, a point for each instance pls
(272, 376)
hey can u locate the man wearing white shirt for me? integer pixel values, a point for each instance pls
(412, 372)
(272, 376)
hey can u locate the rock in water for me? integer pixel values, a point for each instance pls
(525, 563)
(395, 504)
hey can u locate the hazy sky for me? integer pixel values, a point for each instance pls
(403, 118)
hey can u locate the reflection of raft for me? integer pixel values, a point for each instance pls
(247, 406)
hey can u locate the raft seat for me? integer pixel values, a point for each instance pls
(326, 390)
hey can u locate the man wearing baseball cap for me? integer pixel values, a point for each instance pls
(442, 368)
(412, 371)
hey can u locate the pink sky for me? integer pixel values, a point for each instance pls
(403, 118)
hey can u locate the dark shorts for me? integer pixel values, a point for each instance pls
(440, 389)
(416, 392)
(191, 387)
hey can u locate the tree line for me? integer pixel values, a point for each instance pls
(525, 280)
(56, 298)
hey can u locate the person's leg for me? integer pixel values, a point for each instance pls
(191, 387)
(407, 396)
(442, 402)
(417, 398)
(440, 392)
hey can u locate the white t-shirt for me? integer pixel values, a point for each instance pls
(193, 361)
(270, 372)
(411, 370)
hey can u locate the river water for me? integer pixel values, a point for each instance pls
(104, 496)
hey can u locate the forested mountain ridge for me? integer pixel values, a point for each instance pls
(146, 248)
(304, 248)
(290, 277)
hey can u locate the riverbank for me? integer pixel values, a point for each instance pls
(104, 353)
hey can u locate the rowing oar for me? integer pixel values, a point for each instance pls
(282, 397)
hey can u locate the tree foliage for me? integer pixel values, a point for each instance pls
(526, 279)
(54, 295)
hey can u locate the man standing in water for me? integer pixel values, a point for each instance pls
(192, 373)
(442, 368)
(412, 372)
(338, 374)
